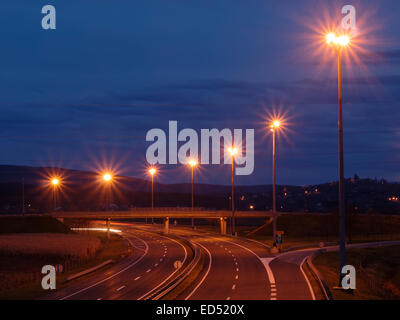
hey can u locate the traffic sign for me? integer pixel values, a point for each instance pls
(59, 268)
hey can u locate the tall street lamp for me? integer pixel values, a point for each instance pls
(55, 182)
(338, 43)
(193, 164)
(275, 125)
(107, 177)
(152, 172)
(233, 151)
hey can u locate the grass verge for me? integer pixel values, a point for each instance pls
(378, 273)
(25, 269)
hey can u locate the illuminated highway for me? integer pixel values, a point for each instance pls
(150, 265)
(232, 269)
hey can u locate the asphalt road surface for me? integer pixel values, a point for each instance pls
(234, 269)
(150, 265)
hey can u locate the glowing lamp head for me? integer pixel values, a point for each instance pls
(192, 163)
(340, 41)
(55, 182)
(107, 177)
(343, 41)
(233, 151)
(275, 125)
(152, 171)
(330, 38)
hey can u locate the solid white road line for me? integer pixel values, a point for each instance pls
(141, 249)
(206, 274)
(264, 261)
(305, 277)
(167, 278)
(112, 276)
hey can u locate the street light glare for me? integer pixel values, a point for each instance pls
(344, 40)
(233, 151)
(193, 163)
(341, 41)
(107, 177)
(277, 124)
(330, 38)
(55, 182)
(152, 171)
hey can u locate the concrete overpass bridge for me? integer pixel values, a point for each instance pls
(166, 214)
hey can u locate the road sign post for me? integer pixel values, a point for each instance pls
(278, 239)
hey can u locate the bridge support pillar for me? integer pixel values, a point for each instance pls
(108, 227)
(223, 225)
(166, 225)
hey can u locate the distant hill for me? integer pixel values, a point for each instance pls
(37, 176)
(81, 193)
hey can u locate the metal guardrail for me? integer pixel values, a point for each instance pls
(90, 270)
(168, 287)
(316, 274)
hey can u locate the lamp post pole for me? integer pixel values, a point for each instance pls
(273, 187)
(342, 213)
(340, 42)
(54, 197)
(192, 195)
(233, 194)
(23, 196)
(152, 197)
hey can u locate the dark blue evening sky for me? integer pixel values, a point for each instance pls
(112, 70)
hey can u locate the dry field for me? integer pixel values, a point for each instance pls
(49, 244)
(22, 256)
